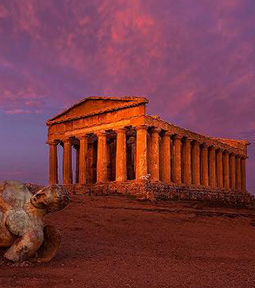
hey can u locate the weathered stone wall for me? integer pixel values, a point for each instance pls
(147, 190)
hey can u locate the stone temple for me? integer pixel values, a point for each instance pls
(119, 148)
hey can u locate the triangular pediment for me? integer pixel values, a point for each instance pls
(96, 105)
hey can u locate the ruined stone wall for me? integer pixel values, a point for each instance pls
(148, 190)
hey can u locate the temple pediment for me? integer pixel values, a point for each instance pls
(96, 105)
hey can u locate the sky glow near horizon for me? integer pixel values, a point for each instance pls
(193, 59)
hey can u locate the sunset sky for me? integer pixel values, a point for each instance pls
(193, 59)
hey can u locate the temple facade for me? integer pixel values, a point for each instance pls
(119, 148)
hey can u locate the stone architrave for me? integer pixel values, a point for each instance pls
(141, 153)
(196, 163)
(212, 167)
(53, 162)
(177, 159)
(102, 156)
(187, 161)
(165, 156)
(219, 169)
(232, 171)
(154, 162)
(83, 159)
(121, 155)
(204, 165)
(67, 162)
(226, 170)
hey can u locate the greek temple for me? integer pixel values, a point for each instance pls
(111, 144)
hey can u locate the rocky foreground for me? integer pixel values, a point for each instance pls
(114, 241)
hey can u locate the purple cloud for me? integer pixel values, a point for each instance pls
(193, 59)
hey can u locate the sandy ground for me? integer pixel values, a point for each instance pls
(119, 242)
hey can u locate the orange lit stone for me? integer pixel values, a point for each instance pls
(117, 143)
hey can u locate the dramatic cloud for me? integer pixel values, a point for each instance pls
(194, 59)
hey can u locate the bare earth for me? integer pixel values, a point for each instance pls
(119, 242)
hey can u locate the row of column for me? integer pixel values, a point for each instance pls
(202, 165)
(121, 167)
(209, 166)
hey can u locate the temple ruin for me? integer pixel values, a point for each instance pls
(121, 149)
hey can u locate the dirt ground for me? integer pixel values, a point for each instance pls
(119, 242)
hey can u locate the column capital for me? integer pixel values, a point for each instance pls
(52, 142)
(197, 143)
(81, 137)
(188, 139)
(141, 127)
(101, 133)
(66, 140)
(212, 148)
(167, 133)
(120, 130)
(178, 136)
(220, 150)
(226, 152)
(205, 145)
(156, 130)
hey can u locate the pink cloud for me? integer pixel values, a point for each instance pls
(3, 12)
(18, 111)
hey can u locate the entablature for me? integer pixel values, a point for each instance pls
(148, 121)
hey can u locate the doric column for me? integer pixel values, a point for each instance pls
(102, 156)
(212, 167)
(232, 171)
(53, 162)
(196, 163)
(67, 162)
(219, 169)
(83, 159)
(165, 157)
(187, 161)
(238, 172)
(121, 155)
(204, 165)
(141, 152)
(77, 168)
(226, 169)
(177, 159)
(243, 172)
(154, 162)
